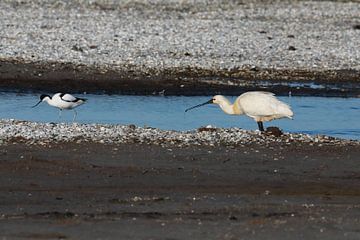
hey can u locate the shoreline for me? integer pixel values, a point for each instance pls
(19, 131)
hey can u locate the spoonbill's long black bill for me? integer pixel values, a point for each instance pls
(208, 102)
(37, 104)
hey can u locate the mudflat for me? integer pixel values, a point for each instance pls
(144, 191)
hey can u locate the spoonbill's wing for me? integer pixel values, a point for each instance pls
(263, 104)
(67, 97)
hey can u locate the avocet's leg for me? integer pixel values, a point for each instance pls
(261, 126)
(75, 114)
(60, 110)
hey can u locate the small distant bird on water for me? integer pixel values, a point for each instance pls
(62, 101)
(261, 106)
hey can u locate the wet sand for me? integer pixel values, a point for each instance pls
(60, 77)
(140, 191)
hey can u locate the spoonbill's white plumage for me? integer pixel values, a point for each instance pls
(62, 101)
(260, 106)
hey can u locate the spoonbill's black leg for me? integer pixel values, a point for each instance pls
(261, 126)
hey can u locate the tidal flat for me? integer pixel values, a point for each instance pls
(110, 180)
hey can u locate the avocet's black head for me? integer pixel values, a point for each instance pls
(41, 99)
(44, 96)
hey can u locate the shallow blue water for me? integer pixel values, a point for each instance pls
(314, 115)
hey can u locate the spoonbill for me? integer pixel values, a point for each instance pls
(62, 101)
(260, 106)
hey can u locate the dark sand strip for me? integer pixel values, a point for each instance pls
(130, 191)
(60, 77)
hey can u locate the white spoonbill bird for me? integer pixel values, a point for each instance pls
(62, 101)
(260, 106)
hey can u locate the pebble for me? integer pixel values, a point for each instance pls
(13, 131)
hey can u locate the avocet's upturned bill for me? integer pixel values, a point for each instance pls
(261, 106)
(62, 101)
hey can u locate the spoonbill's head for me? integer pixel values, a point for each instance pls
(43, 97)
(215, 99)
(218, 99)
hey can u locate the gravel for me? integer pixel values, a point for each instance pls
(14, 131)
(159, 35)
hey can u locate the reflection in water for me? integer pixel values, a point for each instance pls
(314, 115)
